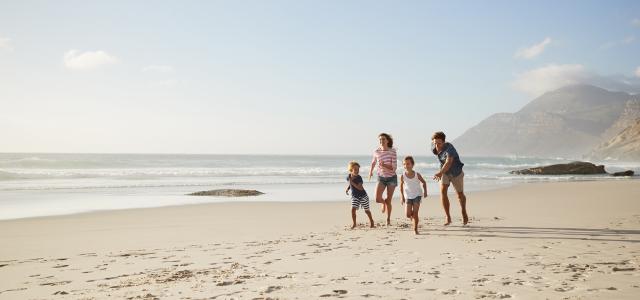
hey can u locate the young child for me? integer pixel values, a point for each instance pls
(411, 191)
(358, 194)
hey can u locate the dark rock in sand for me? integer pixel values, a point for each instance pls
(623, 173)
(228, 193)
(573, 168)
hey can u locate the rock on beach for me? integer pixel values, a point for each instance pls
(228, 193)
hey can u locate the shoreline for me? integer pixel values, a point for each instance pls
(277, 193)
(549, 240)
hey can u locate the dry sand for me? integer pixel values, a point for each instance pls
(577, 240)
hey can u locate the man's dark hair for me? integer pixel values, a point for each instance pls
(439, 135)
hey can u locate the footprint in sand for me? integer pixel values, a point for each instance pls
(272, 288)
(479, 281)
(450, 292)
(564, 289)
(59, 266)
(336, 293)
(13, 290)
(56, 283)
(60, 293)
(616, 269)
(339, 279)
(493, 295)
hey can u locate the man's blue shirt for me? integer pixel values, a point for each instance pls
(450, 151)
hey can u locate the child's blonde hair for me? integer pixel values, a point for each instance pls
(352, 164)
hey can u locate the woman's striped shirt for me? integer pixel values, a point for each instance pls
(388, 157)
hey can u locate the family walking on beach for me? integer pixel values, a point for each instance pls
(413, 187)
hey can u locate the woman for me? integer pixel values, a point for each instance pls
(386, 159)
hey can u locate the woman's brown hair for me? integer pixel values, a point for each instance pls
(389, 139)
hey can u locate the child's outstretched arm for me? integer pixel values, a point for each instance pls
(348, 188)
(424, 184)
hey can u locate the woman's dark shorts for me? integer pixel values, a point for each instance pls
(388, 181)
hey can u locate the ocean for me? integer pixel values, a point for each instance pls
(33, 185)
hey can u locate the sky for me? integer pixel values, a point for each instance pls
(292, 77)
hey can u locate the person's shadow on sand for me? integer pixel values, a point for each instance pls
(511, 232)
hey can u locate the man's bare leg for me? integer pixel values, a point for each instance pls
(445, 202)
(463, 204)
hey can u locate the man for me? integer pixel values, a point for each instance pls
(450, 173)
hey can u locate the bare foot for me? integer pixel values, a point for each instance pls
(416, 232)
(388, 222)
(448, 222)
(354, 226)
(372, 226)
(465, 222)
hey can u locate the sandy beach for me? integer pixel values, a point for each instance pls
(576, 240)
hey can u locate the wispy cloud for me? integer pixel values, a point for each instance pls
(626, 41)
(88, 60)
(538, 81)
(5, 44)
(635, 22)
(541, 80)
(533, 51)
(157, 69)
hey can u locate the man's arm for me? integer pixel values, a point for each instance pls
(445, 168)
(447, 165)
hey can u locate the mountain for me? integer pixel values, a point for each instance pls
(623, 146)
(629, 117)
(567, 122)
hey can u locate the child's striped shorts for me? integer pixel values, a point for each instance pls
(358, 202)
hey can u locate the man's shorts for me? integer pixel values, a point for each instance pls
(358, 202)
(415, 200)
(458, 181)
(387, 181)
